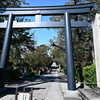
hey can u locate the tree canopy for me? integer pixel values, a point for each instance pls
(39, 58)
(12, 3)
(82, 37)
(22, 39)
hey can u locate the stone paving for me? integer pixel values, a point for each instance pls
(55, 90)
(43, 88)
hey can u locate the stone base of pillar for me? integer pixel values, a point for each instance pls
(69, 93)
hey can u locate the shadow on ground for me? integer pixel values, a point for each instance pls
(30, 81)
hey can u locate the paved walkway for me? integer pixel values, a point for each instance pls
(45, 87)
(55, 91)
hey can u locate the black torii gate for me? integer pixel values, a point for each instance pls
(38, 12)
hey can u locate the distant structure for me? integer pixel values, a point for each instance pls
(54, 65)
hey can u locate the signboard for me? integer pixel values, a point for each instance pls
(23, 96)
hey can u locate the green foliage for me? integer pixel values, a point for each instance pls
(79, 74)
(64, 71)
(58, 49)
(38, 58)
(86, 74)
(82, 39)
(58, 56)
(22, 39)
(36, 71)
(31, 73)
(13, 75)
(89, 74)
(12, 3)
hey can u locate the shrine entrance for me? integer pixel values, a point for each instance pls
(38, 12)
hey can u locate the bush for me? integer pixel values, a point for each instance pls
(36, 71)
(31, 74)
(64, 71)
(13, 75)
(78, 74)
(89, 74)
(86, 74)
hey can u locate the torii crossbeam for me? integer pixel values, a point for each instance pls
(38, 12)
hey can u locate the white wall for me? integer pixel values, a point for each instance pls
(96, 38)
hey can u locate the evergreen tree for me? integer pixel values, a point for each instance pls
(39, 58)
(82, 37)
(22, 39)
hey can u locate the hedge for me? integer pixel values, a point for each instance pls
(86, 74)
(89, 74)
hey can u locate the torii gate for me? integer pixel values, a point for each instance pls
(38, 12)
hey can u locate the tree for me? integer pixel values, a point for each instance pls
(22, 39)
(12, 3)
(38, 58)
(58, 56)
(82, 39)
(22, 42)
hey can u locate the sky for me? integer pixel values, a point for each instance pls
(46, 2)
(43, 35)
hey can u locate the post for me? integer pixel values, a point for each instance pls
(96, 40)
(5, 51)
(69, 53)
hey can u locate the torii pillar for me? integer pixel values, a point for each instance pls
(96, 38)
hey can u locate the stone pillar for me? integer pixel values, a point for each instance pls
(96, 38)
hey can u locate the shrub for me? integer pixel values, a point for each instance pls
(31, 74)
(89, 74)
(36, 71)
(13, 75)
(64, 71)
(79, 74)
